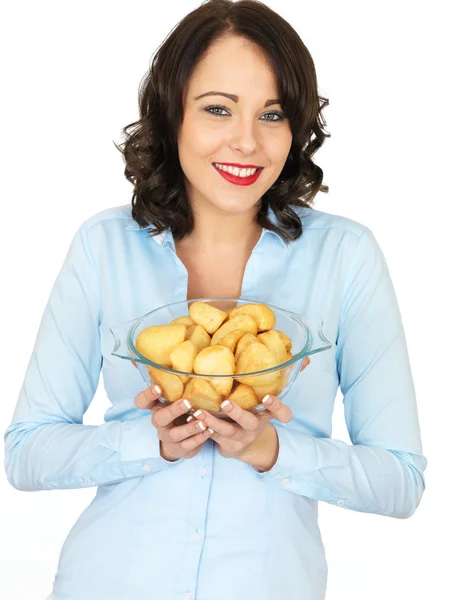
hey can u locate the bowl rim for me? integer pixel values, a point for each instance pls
(295, 358)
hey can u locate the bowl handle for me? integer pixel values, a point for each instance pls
(317, 342)
(120, 334)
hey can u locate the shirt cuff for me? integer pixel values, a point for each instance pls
(140, 441)
(296, 460)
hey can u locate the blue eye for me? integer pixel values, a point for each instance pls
(210, 109)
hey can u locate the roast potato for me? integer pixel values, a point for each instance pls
(276, 344)
(257, 357)
(199, 336)
(222, 385)
(231, 339)
(184, 320)
(242, 322)
(209, 317)
(171, 384)
(183, 357)
(157, 342)
(245, 341)
(215, 360)
(263, 316)
(273, 388)
(201, 394)
(244, 396)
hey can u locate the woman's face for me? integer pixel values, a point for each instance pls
(244, 130)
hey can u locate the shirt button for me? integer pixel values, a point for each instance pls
(87, 481)
(196, 536)
(340, 503)
(187, 596)
(203, 471)
(286, 482)
(147, 468)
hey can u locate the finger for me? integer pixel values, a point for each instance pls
(277, 409)
(306, 362)
(196, 440)
(165, 416)
(182, 432)
(134, 364)
(147, 397)
(244, 418)
(220, 426)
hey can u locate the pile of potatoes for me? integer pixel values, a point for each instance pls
(210, 341)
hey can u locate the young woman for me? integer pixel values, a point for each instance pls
(227, 510)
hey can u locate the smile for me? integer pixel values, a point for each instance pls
(238, 176)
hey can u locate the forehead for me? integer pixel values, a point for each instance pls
(234, 65)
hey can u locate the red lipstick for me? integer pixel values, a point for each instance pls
(239, 180)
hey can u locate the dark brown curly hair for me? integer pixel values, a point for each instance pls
(150, 148)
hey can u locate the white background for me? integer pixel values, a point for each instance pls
(71, 72)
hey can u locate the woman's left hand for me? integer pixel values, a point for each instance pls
(240, 439)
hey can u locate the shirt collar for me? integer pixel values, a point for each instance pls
(166, 238)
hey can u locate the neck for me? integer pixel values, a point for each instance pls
(216, 233)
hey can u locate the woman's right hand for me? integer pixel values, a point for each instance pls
(175, 440)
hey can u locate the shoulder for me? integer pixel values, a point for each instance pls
(117, 215)
(314, 220)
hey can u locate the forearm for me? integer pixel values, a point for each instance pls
(71, 455)
(363, 478)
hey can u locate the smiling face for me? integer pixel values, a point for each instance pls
(248, 129)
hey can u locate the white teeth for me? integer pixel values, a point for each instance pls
(235, 170)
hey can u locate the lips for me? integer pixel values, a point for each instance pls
(239, 180)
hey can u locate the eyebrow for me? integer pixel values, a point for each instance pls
(234, 97)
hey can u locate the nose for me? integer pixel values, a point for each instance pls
(244, 138)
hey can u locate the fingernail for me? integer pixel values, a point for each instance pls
(226, 406)
(156, 389)
(198, 414)
(210, 430)
(189, 419)
(267, 400)
(199, 425)
(187, 404)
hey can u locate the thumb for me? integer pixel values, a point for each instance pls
(148, 397)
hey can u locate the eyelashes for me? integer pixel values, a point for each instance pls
(210, 109)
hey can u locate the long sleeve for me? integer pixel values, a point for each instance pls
(382, 470)
(46, 445)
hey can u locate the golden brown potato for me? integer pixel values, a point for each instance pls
(231, 339)
(242, 322)
(263, 316)
(245, 341)
(199, 336)
(184, 320)
(287, 340)
(244, 396)
(214, 360)
(171, 384)
(272, 388)
(276, 344)
(209, 317)
(183, 356)
(202, 395)
(257, 357)
(157, 342)
(222, 385)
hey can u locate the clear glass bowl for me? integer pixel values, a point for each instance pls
(305, 333)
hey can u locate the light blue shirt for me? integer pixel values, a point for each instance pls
(208, 527)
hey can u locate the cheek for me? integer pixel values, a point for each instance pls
(278, 147)
(197, 140)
